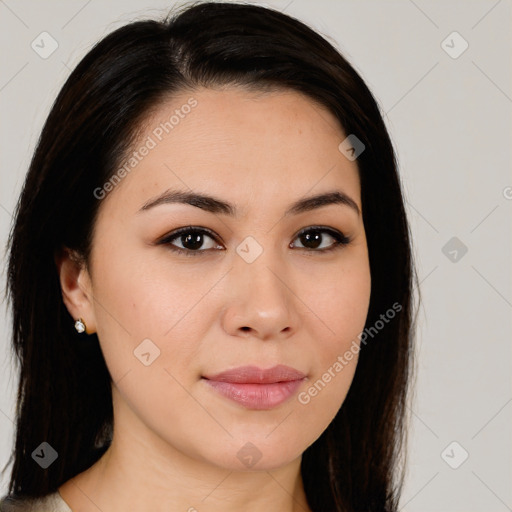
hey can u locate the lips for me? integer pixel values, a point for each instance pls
(255, 375)
(256, 388)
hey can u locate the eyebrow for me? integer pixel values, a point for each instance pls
(218, 206)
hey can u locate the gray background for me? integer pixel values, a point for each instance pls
(451, 125)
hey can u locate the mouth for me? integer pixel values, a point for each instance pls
(256, 388)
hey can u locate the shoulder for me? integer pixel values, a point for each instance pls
(49, 503)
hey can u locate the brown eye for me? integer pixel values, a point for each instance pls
(191, 240)
(320, 239)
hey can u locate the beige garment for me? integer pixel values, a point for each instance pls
(49, 503)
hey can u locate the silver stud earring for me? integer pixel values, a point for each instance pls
(79, 325)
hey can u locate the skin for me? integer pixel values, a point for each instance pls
(175, 439)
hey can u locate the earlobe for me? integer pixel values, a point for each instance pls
(75, 286)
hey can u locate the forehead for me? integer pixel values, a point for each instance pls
(247, 146)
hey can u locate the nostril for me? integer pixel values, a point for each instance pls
(246, 328)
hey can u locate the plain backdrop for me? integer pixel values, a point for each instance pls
(441, 72)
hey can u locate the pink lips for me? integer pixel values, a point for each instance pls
(256, 388)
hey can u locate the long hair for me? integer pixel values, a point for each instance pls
(64, 394)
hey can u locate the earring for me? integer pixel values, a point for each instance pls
(79, 325)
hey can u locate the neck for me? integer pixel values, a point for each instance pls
(146, 474)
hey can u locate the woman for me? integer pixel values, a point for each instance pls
(210, 274)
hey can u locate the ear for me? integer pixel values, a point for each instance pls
(76, 287)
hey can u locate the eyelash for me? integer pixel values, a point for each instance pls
(340, 239)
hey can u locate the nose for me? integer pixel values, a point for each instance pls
(261, 301)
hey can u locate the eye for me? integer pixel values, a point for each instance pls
(192, 239)
(313, 239)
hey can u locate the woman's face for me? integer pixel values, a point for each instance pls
(257, 283)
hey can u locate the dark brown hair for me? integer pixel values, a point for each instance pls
(64, 394)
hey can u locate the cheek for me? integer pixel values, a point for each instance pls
(144, 306)
(340, 301)
(342, 305)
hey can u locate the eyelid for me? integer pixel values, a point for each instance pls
(331, 231)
